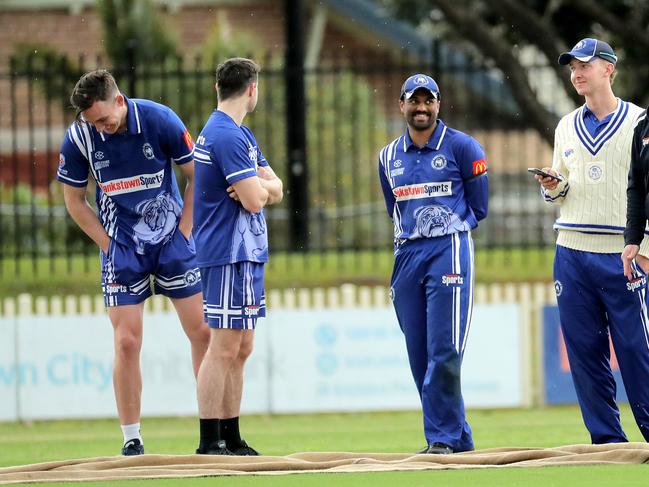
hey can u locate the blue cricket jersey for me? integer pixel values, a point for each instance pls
(137, 195)
(439, 189)
(224, 231)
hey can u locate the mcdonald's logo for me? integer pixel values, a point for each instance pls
(188, 139)
(479, 167)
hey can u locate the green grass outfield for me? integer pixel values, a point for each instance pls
(80, 275)
(367, 432)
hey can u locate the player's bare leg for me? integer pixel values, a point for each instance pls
(190, 313)
(231, 406)
(220, 385)
(127, 377)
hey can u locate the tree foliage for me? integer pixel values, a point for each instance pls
(498, 29)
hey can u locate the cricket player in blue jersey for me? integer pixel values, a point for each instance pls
(597, 303)
(144, 227)
(233, 185)
(434, 181)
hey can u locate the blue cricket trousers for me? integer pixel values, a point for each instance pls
(595, 300)
(432, 293)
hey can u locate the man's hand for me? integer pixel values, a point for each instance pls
(548, 183)
(232, 193)
(643, 262)
(628, 254)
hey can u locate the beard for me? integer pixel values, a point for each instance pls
(421, 123)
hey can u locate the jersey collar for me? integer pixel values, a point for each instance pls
(133, 119)
(435, 141)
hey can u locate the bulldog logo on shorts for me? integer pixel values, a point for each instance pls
(191, 277)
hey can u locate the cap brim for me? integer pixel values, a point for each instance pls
(408, 94)
(566, 57)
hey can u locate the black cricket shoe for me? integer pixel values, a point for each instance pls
(244, 450)
(218, 448)
(133, 447)
(438, 449)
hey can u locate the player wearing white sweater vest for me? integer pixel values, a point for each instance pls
(592, 156)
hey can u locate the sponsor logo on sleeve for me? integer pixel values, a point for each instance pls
(62, 169)
(140, 182)
(252, 154)
(188, 139)
(423, 190)
(479, 167)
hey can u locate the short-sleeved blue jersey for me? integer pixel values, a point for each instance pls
(224, 231)
(137, 195)
(439, 189)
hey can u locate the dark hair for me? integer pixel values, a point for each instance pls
(234, 75)
(97, 85)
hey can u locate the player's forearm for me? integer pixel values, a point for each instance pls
(87, 220)
(275, 190)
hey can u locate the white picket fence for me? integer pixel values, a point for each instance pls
(531, 296)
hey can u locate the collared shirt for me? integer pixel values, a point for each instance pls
(137, 195)
(592, 123)
(593, 133)
(438, 189)
(224, 231)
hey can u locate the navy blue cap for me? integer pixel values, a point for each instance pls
(419, 81)
(587, 49)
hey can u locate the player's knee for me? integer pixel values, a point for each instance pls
(199, 334)
(128, 344)
(245, 350)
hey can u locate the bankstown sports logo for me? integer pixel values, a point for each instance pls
(147, 150)
(133, 184)
(637, 283)
(452, 280)
(251, 311)
(422, 190)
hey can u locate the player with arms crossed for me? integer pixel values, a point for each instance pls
(434, 180)
(233, 185)
(592, 153)
(143, 229)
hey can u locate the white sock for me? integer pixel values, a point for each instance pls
(132, 431)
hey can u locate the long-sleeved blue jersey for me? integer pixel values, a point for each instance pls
(439, 189)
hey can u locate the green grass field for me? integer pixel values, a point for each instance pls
(80, 275)
(367, 432)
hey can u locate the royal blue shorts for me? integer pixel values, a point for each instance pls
(126, 275)
(233, 295)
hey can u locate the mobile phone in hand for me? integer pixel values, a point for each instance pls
(543, 174)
